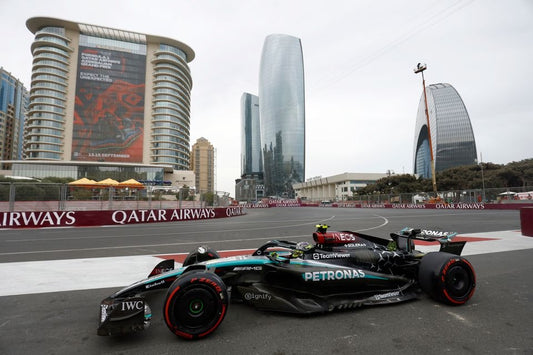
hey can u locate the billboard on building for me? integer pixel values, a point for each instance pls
(109, 107)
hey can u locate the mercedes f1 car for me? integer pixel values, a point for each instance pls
(340, 270)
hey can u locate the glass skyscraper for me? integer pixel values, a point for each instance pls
(13, 104)
(282, 114)
(251, 160)
(452, 136)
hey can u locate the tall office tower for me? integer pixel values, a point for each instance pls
(452, 136)
(100, 94)
(13, 104)
(203, 165)
(251, 160)
(282, 114)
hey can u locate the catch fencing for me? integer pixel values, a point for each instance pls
(31, 196)
(503, 195)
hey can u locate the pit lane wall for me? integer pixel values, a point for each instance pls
(44, 219)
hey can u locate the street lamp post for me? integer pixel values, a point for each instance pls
(420, 69)
(482, 179)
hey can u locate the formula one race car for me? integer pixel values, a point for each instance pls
(341, 270)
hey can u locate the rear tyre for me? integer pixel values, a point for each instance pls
(447, 277)
(195, 305)
(202, 253)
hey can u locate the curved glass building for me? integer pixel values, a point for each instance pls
(452, 136)
(107, 95)
(282, 114)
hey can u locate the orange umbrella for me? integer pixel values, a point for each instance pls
(107, 183)
(131, 183)
(83, 182)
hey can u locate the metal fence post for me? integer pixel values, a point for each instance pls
(11, 197)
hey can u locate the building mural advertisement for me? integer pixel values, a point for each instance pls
(109, 107)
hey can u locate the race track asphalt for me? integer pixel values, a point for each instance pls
(497, 320)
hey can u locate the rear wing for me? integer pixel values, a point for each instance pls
(405, 239)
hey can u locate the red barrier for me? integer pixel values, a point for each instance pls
(43, 219)
(439, 206)
(526, 221)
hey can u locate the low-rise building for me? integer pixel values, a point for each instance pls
(334, 188)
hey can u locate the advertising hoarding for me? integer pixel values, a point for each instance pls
(109, 107)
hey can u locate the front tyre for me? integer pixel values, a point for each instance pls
(195, 305)
(447, 278)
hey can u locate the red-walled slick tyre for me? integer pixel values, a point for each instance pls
(447, 278)
(195, 305)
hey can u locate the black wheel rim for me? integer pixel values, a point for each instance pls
(196, 308)
(458, 282)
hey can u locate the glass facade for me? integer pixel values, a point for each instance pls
(45, 124)
(452, 136)
(251, 160)
(171, 108)
(282, 114)
(13, 105)
(92, 171)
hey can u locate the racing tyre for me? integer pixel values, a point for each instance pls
(195, 305)
(447, 277)
(202, 253)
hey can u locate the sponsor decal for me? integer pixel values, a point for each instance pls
(234, 211)
(356, 245)
(209, 282)
(256, 205)
(144, 216)
(373, 205)
(344, 237)
(387, 295)
(438, 234)
(248, 268)
(319, 256)
(251, 296)
(158, 283)
(38, 219)
(407, 205)
(284, 203)
(460, 206)
(131, 305)
(332, 275)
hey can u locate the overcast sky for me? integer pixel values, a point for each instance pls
(361, 93)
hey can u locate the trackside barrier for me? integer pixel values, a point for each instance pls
(526, 221)
(44, 219)
(438, 206)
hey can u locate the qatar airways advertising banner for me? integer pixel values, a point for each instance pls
(109, 107)
(43, 219)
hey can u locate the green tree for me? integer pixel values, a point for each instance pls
(208, 198)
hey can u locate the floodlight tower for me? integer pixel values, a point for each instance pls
(420, 67)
